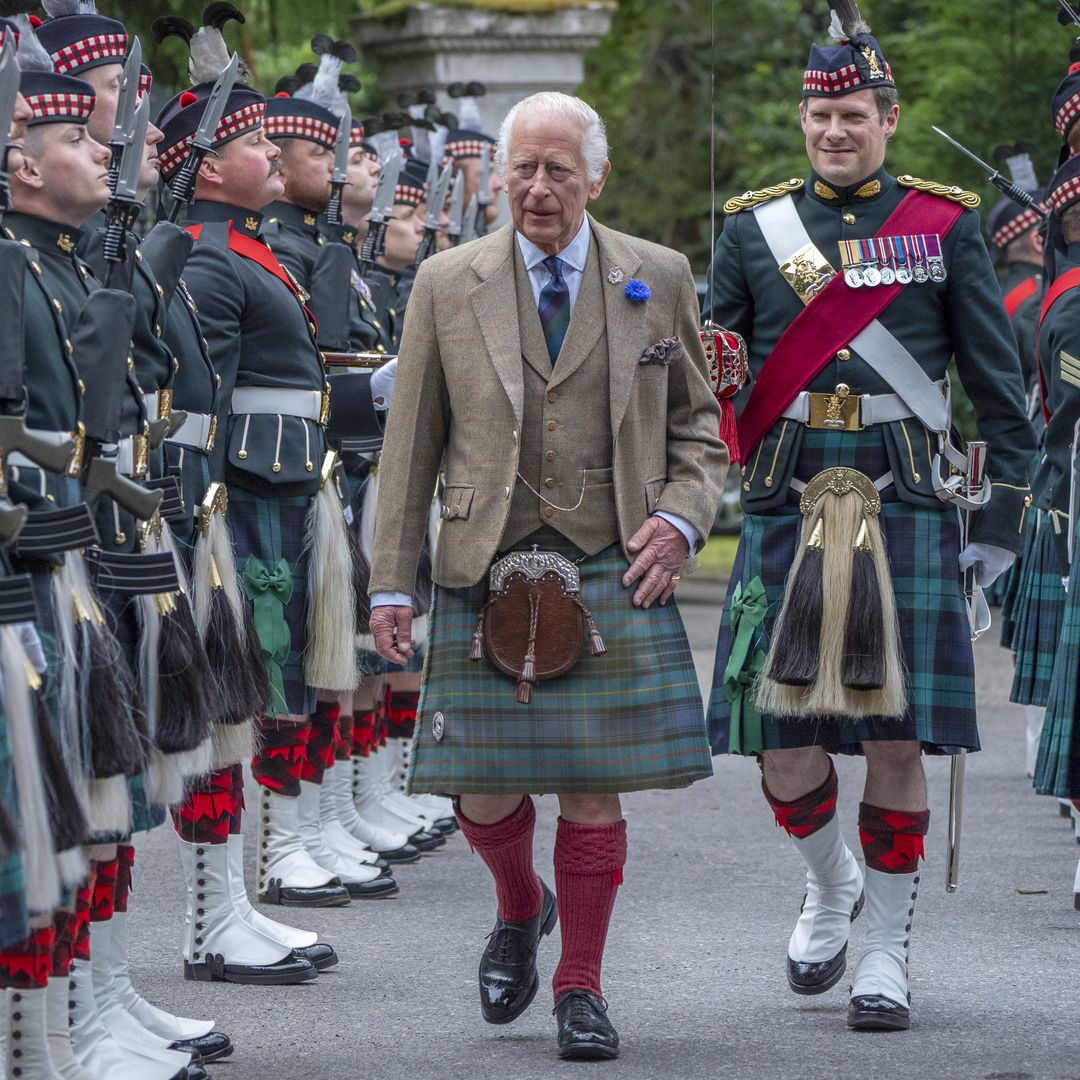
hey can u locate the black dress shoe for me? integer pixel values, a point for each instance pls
(407, 853)
(425, 841)
(320, 955)
(446, 825)
(585, 1032)
(370, 890)
(871, 1013)
(332, 894)
(211, 1047)
(213, 968)
(815, 977)
(508, 978)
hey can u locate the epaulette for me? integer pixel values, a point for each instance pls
(753, 198)
(956, 194)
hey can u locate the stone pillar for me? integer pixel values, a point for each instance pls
(426, 47)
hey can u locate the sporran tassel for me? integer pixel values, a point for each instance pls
(864, 638)
(795, 658)
(330, 661)
(65, 808)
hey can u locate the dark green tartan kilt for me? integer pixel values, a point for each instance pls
(14, 925)
(271, 530)
(923, 546)
(629, 720)
(1010, 597)
(1057, 769)
(1040, 607)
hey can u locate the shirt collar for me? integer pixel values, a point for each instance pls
(574, 255)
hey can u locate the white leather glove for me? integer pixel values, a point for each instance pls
(989, 561)
(382, 385)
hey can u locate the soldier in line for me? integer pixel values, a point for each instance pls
(853, 289)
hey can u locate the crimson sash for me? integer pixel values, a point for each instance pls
(831, 320)
(1069, 280)
(1019, 293)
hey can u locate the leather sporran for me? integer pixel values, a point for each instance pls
(534, 622)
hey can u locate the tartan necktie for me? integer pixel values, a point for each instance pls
(555, 307)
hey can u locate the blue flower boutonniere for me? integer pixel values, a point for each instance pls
(637, 292)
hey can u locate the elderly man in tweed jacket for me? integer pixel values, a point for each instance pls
(556, 364)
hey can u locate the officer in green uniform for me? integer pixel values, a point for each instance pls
(854, 289)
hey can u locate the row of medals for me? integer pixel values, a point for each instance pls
(885, 260)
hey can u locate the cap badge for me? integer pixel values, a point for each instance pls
(251, 224)
(65, 243)
(872, 63)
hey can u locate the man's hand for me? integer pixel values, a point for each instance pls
(988, 560)
(391, 627)
(660, 550)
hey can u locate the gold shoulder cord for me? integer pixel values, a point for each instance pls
(944, 191)
(753, 198)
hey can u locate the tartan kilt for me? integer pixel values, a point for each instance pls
(1039, 610)
(14, 925)
(923, 546)
(1010, 593)
(1057, 769)
(271, 530)
(629, 720)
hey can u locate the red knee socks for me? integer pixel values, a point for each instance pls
(206, 816)
(322, 734)
(26, 966)
(280, 761)
(803, 816)
(892, 840)
(588, 872)
(506, 848)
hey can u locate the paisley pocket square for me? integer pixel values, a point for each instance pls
(667, 350)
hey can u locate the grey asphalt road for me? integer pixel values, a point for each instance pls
(695, 960)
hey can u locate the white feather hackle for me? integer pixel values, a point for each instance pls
(109, 808)
(209, 55)
(323, 89)
(31, 54)
(57, 8)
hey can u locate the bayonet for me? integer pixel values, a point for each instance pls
(1000, 181)
(457, 209)
(468, 229)
(483, 195)
(340, 176)
(436, 195)
(124, 206)
(9, 92)
(182, 187)
(126, 102)
(375, 242)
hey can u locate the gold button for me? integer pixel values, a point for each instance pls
(120, 538)
(552, 425)
(549, 483)
(310, 467)
(157, 329)
(917, 478)
(768, 481)
(242, 455)
(550, 455)
(849, 218)
(844, 354)
(548, 512)
(67, 345)
(59, 307)
(276, 467)
(552, 396)
(746, 487)
(82, 387)
(160, 290)
(51, 498)
(217, 378)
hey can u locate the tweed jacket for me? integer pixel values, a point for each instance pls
(460, 389)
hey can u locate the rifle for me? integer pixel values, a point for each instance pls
(1004, 185)
(340, 176)
(182, 187)
(375, 242)
(124, 206)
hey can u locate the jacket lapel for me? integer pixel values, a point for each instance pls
(587, 322)
(625, 320)
(494, 301)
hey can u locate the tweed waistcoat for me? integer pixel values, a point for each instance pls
(566, 446)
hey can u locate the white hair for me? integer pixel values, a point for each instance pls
(552, 105)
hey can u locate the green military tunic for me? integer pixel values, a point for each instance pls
(959, 318)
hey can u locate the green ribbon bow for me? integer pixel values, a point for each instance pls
(748, 607)
(270, 591)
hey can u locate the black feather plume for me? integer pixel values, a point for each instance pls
(287, 84)
(456, 90)
(847, 19)
(321, 43)
(349, 84)
(167, 26)
(218, 14)
(344, 51)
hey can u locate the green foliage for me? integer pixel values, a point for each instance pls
(984, 72)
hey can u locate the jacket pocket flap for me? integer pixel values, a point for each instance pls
(457, 502)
